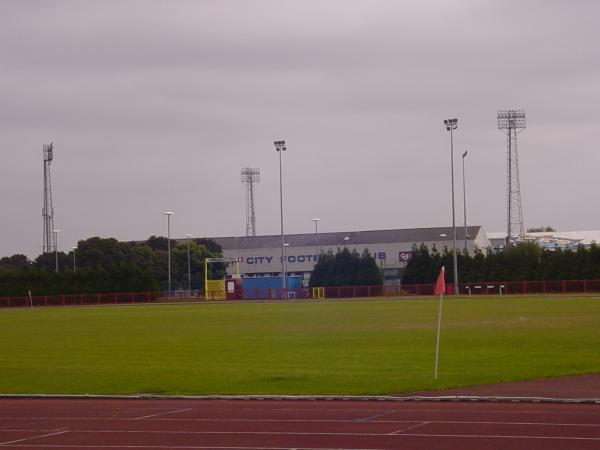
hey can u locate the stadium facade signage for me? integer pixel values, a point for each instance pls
(405, 256)
(256, 260)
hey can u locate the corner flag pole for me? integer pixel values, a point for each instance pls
(440, 288)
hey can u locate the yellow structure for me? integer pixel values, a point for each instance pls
(215, 289)
(318, 292)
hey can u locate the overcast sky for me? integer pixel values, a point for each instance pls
(158, 105)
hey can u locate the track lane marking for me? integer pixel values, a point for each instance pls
(587, 412)
(34, 437)
(409, 428)
(447, 411)
(28, 430)
(161, 414)
(374, 416)
(220, 419)
(262, 447)
(324, 433)
(424, 435)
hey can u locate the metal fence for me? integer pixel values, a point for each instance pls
(485, 288)
(503, 287)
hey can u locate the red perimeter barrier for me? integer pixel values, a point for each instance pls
(471, 288)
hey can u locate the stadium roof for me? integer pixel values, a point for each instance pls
(583, 237)
(408, 235)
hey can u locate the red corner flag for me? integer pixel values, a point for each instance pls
(440, 284)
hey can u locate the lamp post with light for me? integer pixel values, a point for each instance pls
(188, 236)
(465, 199)
(169, 214)
(346, 239)
(451, 125)
(316, 221)
(285, 246)
(55, 231)
(280, 147)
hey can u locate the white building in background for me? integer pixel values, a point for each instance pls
(550, 240)
(261, 255)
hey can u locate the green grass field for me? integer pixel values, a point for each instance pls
(341, 347)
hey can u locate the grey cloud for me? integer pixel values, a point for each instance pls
(157, 105)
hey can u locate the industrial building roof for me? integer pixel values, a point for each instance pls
(408, 235)
(561, 238)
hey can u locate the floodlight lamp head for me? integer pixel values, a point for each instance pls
(280, 146)
(316, 219)
(511, 119)
(49, 151)
(168, 213)
(451, 124)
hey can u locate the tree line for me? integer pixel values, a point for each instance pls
(524, 261)
(346, 268)
(106, 265)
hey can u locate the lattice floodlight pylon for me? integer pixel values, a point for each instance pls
(512, 122)
(48, 240)
(250, 176)
(215, 289)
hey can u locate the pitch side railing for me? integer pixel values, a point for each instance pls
(470, 288)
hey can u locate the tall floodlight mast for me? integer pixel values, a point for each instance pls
(49, 242)
(512, 122)
(250, 177)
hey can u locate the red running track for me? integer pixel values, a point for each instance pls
(282, 424)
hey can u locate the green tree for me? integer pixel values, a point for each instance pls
(17, 261)
(47, 261)
(346, 268)
(540, 229)
(198, 253)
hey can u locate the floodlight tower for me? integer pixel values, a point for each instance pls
(250, 177)
(280, 147)
(451, 125)
(49, 242)
(512, 122)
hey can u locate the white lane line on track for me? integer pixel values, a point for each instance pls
(258, 433)
(162, 414)
(374, 416)
(27, 430)
(586, 412)
(409, 428)
(262, 447)
(34, 437)
(221, 420)
(309, 433)
(449, 410)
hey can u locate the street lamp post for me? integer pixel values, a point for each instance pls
(169, 214)
(280, 148)
(285, 246)
(316, 221)
(465, 199)
(55, 231)
(74, 250)
(346, 239)
(188, 236)
(451, 125)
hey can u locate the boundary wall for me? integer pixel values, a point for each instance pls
(480, 288)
